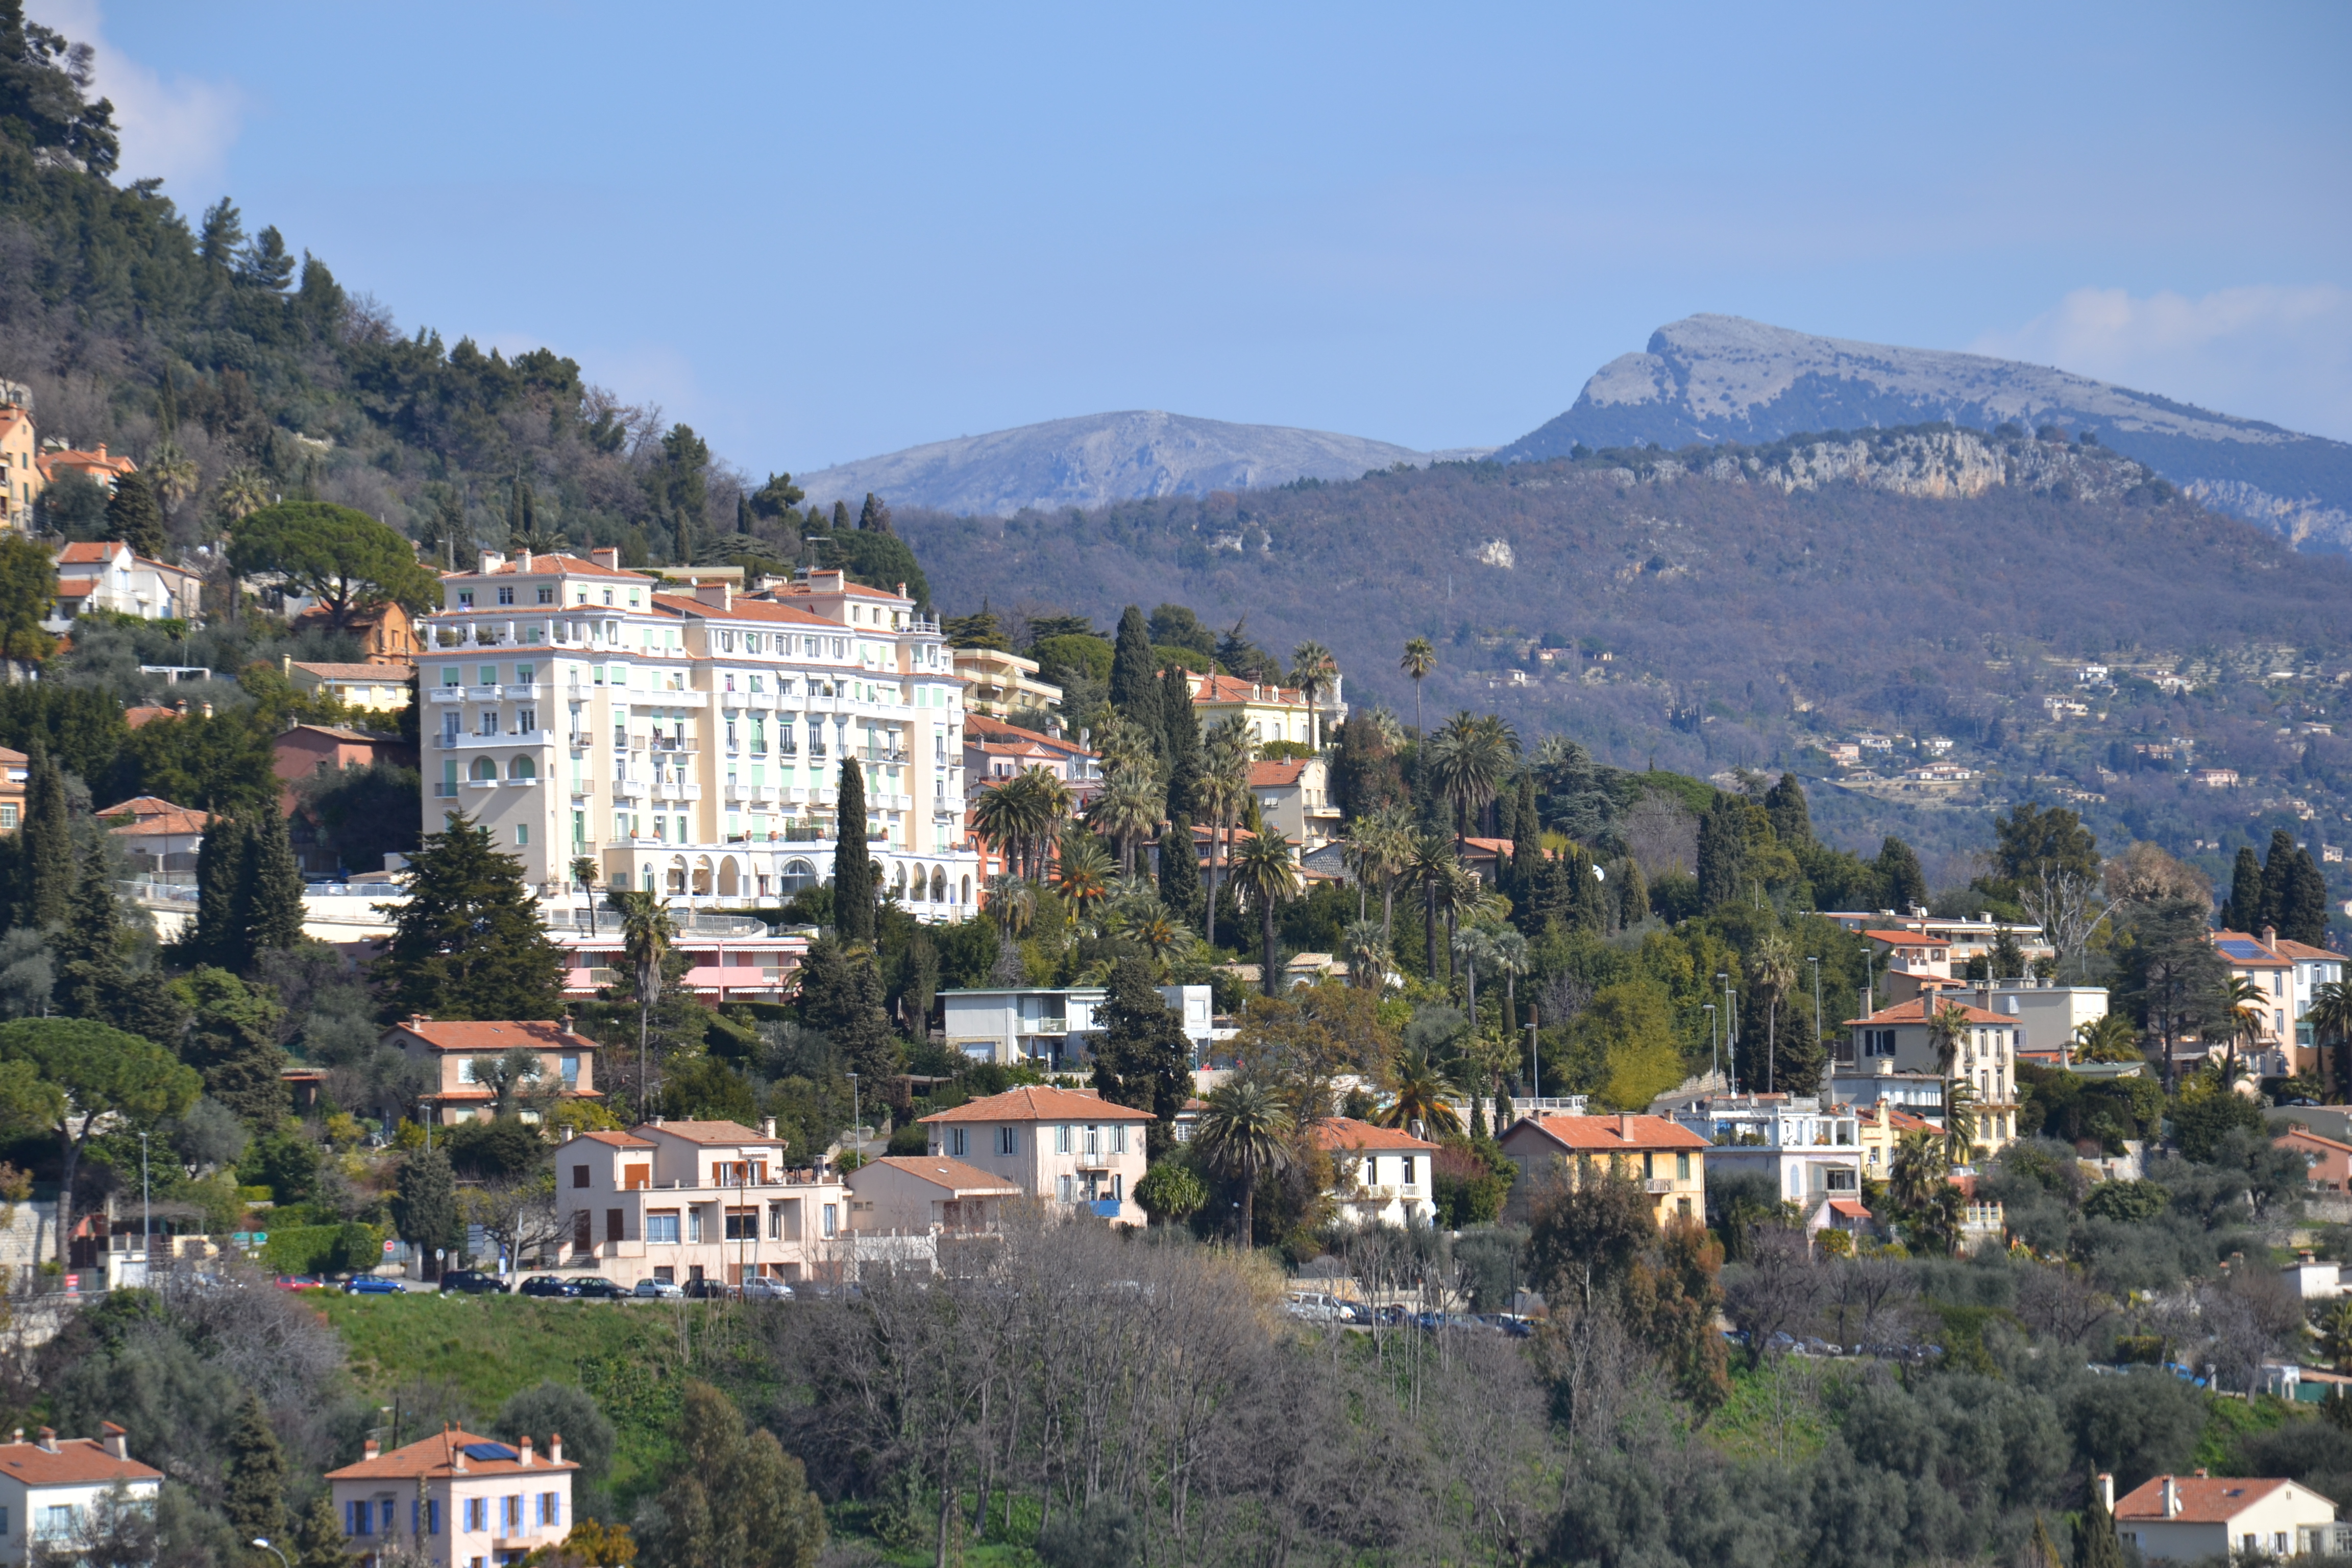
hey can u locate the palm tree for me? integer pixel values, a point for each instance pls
(1471, 947)
(2108, 1038)
(1946, 1026)
(583, 873)
(1159, 933)
(1246, 1132)
(646, 934)
(1379, 844)
(1127, 811)
(1266, 872)
(1011, 900)
(1366, 948)
(2242, 1006)
(1511, 958)
(1316, 672)
(1420, 659)
(2331, 1019)
(995, 819)
(1772, 971)
(173, 472)
(1470, 755)
(1420, 1089)
(1081, 869)
(1222, 791)
(1959, 1121)
(1431, 868)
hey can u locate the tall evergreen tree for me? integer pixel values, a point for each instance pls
(46, 858)
(1180, 872)
(232, 1040)
(1181, 728)
(853, 863)
(319, 1537)
(424, 1206)
(2278, 872)
(1901, 884)
(271, 889)
(133, 516)
(842, 994)
(1632, 894)
(1722, 851)
(1135, 677)
(253, 1496)
(1792, 820)
(467, 943)
(219, 936)
(738, 1498)
(2096, 1543)
(2303, 910)
(1142, 1058)
(874, 517)
(2244, 910)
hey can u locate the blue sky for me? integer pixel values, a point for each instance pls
(819, 234)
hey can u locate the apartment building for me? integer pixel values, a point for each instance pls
(2289, 975)
(1069, 1145)
(455, 1498)
(681, 1200)
(908, 1194)
(20, 480)
(111, 575)
(1986, 1057)
(1002, 684)
(1811, 1153)
(692, 744)
(1269, 712)
(376, 687)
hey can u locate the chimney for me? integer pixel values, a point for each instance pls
(456, 1455)
(2171, 1498)
(491, 561)
(718, 594)
(101, 449)
(2203, 1474)
(2270, 936)
(18, 1435)
(555, 1448)
(522, 561)
(115, 1440)
(526, 1450)
(656, 1121)
(767, 1127)
(48, 1440)
(1625, 1125)
(371, 1449)
(2108, 1491)
(569, 1131)
(208, 709)
(285, 664)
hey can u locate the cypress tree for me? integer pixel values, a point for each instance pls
(2095, 1544)
(874, 517)
(1632, 894)
(2244, 910)
(270, 887)
(2303, 911)
(1180, 871)
(1722, 851)
(1135, 677)
(219, 936)
(254, 1497)
(425, 1207)
(841, 523)
(1792, 819)
(853, 865)
(133, 517)
(1182, 728)
(2278, 872)
(89, 946)
(1901, 883)
(46, 864)
(1526, 819)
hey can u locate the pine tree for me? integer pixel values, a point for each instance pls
(1792, 820)
(2278, 872)
(468, 942)
(1135, 677)
(92, 981)
(219, 936)
(425, 1207)
(133, 517)
(45, 860)
(270, 886)
(2244, 910)
(319, 1538)
(853, 863)
(874, 517)
(232, 1040)
(253, 1497)
(842, 994)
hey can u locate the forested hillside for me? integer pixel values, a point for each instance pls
(1744, 607)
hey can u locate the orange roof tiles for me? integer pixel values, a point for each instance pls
(439, 1457)
(741, 609)
(1339, 1134)
(2287, 949)
(2204, 1500)
(372, 672)
(1915, 1012)
(1609, 1134)
(501, 1035)
(1233, 689)
(721, 1132)
(1036, 1103)
(1275, 775)
(618, 1140)
(89, 552)
(77, 1461)
(147, 713)
(952, 1174)
(564, 566)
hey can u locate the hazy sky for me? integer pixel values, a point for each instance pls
(819, 234)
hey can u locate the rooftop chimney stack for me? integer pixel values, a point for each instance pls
(2107, 1490)
(2171, 1498)
(607, 556)
(491, 561)
(767, 1127)
(49, 1439)
(2270, 936)
(1625, 1125)
(555, 1448)
(526, 1450)
(115, 1440)
(371, 1449)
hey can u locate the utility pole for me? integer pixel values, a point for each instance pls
(856, 1118)
(1713, 1050)
(1535, 1051)
(146, 1216)
(1817, 1003)
(1730, 1037)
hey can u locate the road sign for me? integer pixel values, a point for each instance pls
(388, 1245)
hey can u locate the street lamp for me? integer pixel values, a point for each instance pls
(1817, 1000)
(1713, 1051)
(1730, 1044)
(146, 1216)
(257, 1540)
(856, 1118)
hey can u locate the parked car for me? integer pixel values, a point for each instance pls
(299, 1282)
(599, 1288)
(473, 1282)
(550, 1285)
(760, 1288)
(702, 1287)
(657, 1289)
(1315, 1307)
(372, 1285)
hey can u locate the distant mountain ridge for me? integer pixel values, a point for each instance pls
(1713, 379)
(1098, 458)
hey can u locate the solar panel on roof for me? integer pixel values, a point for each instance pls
(2244, 950)
(488, 1451)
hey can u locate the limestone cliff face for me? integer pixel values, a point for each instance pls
(1714, 379)
(1938, 465)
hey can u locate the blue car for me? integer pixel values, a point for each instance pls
(372, 1285)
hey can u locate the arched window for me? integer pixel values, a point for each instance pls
(939, 885)
(522, 768)
(485, 770)
(967, 891)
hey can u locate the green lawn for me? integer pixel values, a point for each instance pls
(472, 1353)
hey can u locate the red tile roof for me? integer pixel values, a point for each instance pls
(1275, 775)
(618, 1140)
(2272, 962)
(952, 1174)
(2204, 1500)
(89, 552)
(1345, 1133)
(172, 823)
(741, 609)
(2308, 1136)
(567, 566)
(505, 1034)
(997, 729)
(708, 1133)
(1907, 938)
(438, 1455)
(1608, 1134)
(147, 713)
(1037, 1103)
(77, 1461)
(2286, 949)
(371, 672)
(1233, 689)
(1915, 1012)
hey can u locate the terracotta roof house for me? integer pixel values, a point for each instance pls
(455, 1498)
(48, 1486)
(2180, 1518)
(1069, 1145)
(96, 465)
(911, 1194)
(20, 476)
(385, 631)
(15, 774)
(379, 686)
(158, 834)
(681, 1201)
(567, 1061)
(1668, 1159)
(1381, 1175)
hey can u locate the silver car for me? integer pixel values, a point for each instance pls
(761, 1288)
(657, 1289)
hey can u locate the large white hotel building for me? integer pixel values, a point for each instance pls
(690, 740)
